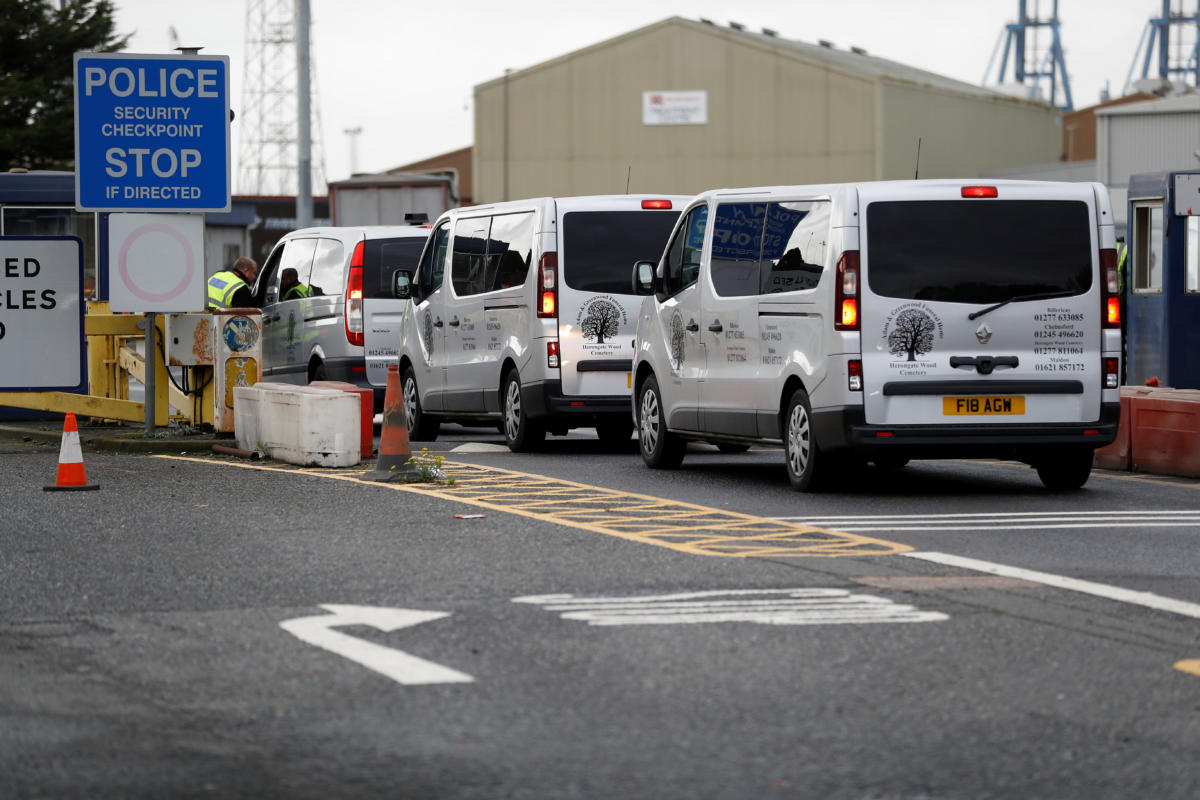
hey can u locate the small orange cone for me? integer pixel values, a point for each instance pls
(71, 476)
(394, 449)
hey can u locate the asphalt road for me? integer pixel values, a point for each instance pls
(167, 636)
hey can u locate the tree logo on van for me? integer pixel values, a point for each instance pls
(677, 340)
(600, 319)
(911, 334)
(427, 334)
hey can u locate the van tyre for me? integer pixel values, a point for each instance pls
(660, 448)
(800, 446)
(420, 427)
(1066, 471)
(521, 434)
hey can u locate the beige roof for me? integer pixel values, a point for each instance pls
(858, 61)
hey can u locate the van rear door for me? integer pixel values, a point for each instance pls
(383, 313)
(980, 304)
(599, 241)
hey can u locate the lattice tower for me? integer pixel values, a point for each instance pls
(267, 121)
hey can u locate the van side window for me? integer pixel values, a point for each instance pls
(469, 267)
(433, 263)
(1147, 248)
(327, 268)
(297, 255)
(682, 265)
(795, 240)
(509, 249)
(267, 285)
(736, 245)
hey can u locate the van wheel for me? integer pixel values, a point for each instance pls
(521, 434)
(614, 433)
(1066, 471)
(799, 445)
(420, 427)
(318, 372)
(660, 448)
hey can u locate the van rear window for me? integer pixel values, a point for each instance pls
(601, 247)
(382, 257)
(977, 251)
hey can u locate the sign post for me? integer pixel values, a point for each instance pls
(42, 280)
(152, 134)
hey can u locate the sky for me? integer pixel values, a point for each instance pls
(405, 71)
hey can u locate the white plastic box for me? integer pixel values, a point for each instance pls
(306, 425)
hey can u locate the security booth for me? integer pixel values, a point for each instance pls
(1162, 280)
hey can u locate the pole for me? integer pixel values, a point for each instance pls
(150, 363)
(304, 200)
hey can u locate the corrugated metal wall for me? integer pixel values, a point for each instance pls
(775, 116)
(1140, 143)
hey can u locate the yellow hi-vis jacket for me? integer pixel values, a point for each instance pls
(221, 288)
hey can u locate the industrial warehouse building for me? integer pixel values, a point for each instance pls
(683, 106)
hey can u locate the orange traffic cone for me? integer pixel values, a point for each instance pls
(71, 476)
(394, 449)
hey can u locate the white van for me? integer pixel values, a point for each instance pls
(523, 313)
(322, 334)
(885, 321)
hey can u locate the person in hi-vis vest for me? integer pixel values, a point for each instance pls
(290, 287)
(231, 288)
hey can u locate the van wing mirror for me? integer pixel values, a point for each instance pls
(644, 273)
(402, 284)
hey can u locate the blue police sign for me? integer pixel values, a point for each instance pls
(151, 132)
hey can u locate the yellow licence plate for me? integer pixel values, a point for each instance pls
(983, 404)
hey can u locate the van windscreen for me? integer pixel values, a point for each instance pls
(601, 247)
(382, 257)
(977, 251)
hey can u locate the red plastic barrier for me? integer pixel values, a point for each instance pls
(366, 399)
(1165, 432)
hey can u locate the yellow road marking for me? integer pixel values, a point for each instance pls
(684, 527)
(1191, 666)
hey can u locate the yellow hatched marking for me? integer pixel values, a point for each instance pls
(683, 527)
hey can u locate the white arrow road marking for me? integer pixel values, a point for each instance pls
(764, 606)
(395, 664)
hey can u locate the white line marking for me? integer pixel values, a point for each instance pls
(1017, 520)
(997, 515)
(395, 664)
(1146, 599)
(794, 607)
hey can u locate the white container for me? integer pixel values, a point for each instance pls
(247, 413)
(310, 426)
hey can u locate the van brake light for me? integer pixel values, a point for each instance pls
(855, 376)
(846, 292)
(552, 355)
(1110, 283)
(657, 204)
(1111, 373)
(354, 303)
(979, 191)
(548, 267)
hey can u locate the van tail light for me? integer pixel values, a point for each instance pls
(664, 205)
(1110, 284)
(552, 355)
(854, 375)
(846, 293)
(979, 191)
(1112, 376)
(354, 298)
(548, 269)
